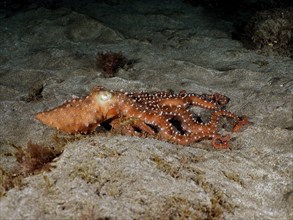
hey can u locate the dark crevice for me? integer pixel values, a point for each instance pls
(177, 124)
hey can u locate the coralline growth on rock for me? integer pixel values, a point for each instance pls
(110, 62)
(272, 31)
(33, 159)
(36, 157)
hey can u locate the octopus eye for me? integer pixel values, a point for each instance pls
(105, 96)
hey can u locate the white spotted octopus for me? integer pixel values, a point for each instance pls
(163, 115)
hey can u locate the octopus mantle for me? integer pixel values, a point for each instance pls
(162, 115)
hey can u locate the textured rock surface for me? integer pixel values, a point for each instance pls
(47, 56)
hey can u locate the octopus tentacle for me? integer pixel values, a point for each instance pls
(166, 130)
(241, 122)
(218, 98)
(181, 99)
(221, 142)
(188, 100)
(130, 126)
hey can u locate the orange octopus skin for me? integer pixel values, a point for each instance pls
(162, 115)
(81, 115)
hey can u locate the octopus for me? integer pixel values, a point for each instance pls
(164, 115)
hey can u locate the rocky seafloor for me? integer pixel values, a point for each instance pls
(47, 55)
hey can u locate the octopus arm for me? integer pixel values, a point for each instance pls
(188, 100)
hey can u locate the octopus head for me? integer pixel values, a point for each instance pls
(104, 97)
(106, 102)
